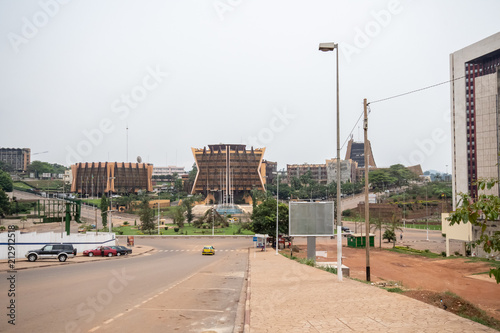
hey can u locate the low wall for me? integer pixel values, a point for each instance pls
(24, 242)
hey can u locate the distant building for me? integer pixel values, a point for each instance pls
(475, 115)
(318, 171)
(17, 158)
(416, 169)
(68, 176)
(356, 152)
(271, 168)
(169, 171)
(228, 172)
(95, 179)
(347, 171)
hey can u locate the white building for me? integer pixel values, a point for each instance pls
(347, 171)
(169, 171)
(68, 176)
(475, 90)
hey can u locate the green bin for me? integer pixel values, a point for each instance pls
(359, 241)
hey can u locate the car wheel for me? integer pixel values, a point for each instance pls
(118, 254)
(91, 254)
(32, 257)
(110, 254)
(63, 257)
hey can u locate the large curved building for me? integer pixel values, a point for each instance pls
(96, 178)
(228, 171)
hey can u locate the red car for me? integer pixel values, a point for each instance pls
(108, 252)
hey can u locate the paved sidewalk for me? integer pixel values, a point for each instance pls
(23, 263)
(285, 296)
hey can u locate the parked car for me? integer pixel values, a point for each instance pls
(52, 251)
(346, 231)
(120, 251)
(108, 252)
(208, 250)
(127, 250)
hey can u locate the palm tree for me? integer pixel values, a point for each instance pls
(377, 224)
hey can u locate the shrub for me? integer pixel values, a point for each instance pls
(347, 212)
(395, 290)
(443, 253)
(2, 228)
(176, 229)
(125, 223)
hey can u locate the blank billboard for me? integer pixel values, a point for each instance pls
(311, 218)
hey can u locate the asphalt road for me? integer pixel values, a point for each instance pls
(172, 289)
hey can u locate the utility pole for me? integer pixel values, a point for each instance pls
(367, 207)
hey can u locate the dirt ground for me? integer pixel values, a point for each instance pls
(420, 273)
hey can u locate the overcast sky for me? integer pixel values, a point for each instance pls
(189, 73)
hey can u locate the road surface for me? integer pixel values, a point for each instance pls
(174, 288)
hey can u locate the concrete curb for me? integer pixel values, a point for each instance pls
(246, 328)
(239, 326)
(71, 261)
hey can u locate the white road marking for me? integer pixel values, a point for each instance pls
(199, 310)
(95, 329)
(108, 321)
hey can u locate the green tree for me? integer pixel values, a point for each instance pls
(104, 211)
(38, 167)
(380, 179)
(177, 214)
(480, 213)
(264, 218)
(257, 195)
(6, 167)
(378, 224)
(188, 204)
(5, 182)
(146, 215)
(390, 235)
(58, 168)
(4, 204)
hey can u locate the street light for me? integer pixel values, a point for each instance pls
(277, 173)
(110, 204)
(326, 47)
(158, 215)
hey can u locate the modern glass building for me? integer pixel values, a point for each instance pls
(475, 119)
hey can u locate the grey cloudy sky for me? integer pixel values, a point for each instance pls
(190, 73)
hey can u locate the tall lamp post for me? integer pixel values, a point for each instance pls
(277, 173)
(158, 216)
(111, 203)
(326, 47)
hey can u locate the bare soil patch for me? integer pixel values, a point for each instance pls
(423, 275)
(454, 304)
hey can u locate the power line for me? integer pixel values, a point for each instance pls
(396, 96)
(417, 90)
(347, 139)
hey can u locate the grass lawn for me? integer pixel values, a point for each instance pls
(96, 202)
(21, 185)
(45, 184)
(189, 230)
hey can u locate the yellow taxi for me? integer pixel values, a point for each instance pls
(208, 250)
